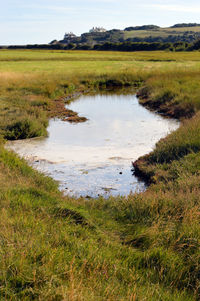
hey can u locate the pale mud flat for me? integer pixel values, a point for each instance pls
(94, 158)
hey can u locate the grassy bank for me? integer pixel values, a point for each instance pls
(143, 247)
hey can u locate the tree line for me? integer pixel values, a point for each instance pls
(109, 46)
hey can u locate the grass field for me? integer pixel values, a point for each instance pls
(161, 32)
(142, 247)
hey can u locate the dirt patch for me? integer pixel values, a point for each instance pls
(75, 119)
(58, 109)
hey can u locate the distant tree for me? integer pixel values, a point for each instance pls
(53, 42)
(196, 45)
(180, 25)
(143, 27)
(70, 46)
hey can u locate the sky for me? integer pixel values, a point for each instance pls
(41, 21)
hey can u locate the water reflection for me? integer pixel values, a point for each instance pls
(94, 158)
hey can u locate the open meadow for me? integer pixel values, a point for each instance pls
(145, 246)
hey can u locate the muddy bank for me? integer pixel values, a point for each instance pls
(165, 105)
(141, 170)
(142, 167)
(58, 109)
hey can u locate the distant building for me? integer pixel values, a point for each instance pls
(97, 29)
(69, 36)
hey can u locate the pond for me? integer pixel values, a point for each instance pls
(95, 158)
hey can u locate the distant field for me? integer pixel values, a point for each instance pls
(162, 32)
(88, 62)
(66, 55)
(147, 33)
(182, 29)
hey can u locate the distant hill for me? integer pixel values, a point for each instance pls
(143, 27)
(184, 32)
(180, 25)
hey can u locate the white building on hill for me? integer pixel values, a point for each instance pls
(69, 36)
(97, 29)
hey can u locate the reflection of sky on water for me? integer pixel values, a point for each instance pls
(88, 158)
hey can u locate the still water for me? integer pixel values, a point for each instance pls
(94, 158)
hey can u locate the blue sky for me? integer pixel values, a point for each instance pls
(40, 21)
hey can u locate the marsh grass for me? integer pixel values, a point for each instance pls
(139, 247)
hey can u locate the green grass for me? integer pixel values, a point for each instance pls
(15, 56)
(140, 247)
(161, 32)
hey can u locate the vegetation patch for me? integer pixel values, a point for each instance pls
(141, 247)
(24, 129)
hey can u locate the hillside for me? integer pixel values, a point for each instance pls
(146, 33)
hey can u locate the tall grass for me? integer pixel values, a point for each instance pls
(140, 247)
